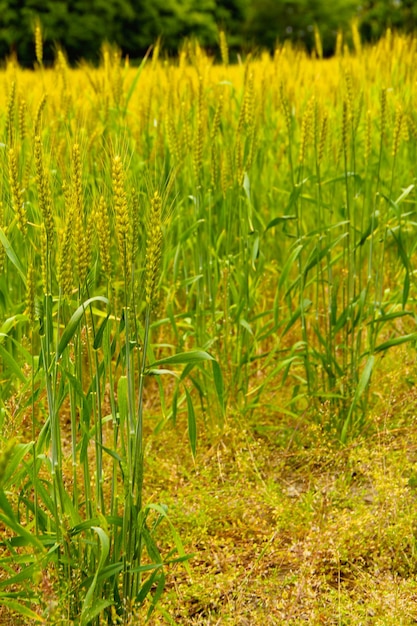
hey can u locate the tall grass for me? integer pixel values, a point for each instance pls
(231, 229)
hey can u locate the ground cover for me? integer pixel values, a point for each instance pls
(286, 528)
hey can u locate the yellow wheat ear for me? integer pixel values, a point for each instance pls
(38, 42)
(224, 48)
(11, 102)
(22, 119)
(38, 115)
(121, 213)
(323, 136)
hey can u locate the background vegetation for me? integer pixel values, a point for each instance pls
(80, 27)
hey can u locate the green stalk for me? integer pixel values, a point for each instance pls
(98, 418)
(137, 486)
(35, 477)
(129, 518)
(378, 276)
(347, 254)
(73, 417)
(298, 220)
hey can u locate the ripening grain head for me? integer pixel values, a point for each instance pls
(121, 214)
(153, 247)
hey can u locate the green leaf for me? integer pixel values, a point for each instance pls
(99, 606)
(157, 594)
(10, 472)
(10, 323)
(110, 452)
(395, 341)
(122, 398)
(295, 194)
(406, 192)
(255, 252)
(192, 424)
(88, 609)
(20, 608)
(342, 178)
(12, 255)
(372, 226)
(12, 365)
(218, 383)
(151, 547)
(146, 568)
(288, 265)
(85, 525)
(362, 385)
(392, 316)
(306, 304)
(406, 289)
(147, 586)
(319, 252)
(26, 537)
(175, 535)
(98, 339)
(246, 185)
(406, 262)
(246, 325)
(365, 377)
(174, 405)
(72, 325)
(395, 203)
(166, 616)
(109, 571)
(135, 79)
(278, 220)
(162, 372)
(24, 574)
(193, 356)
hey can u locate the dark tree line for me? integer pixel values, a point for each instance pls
(80, 26)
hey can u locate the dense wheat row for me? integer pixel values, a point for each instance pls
(258, 217)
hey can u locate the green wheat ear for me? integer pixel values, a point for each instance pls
(153, 247)
(102, 225)
(65, 260)
(30, 293)
(16, 191)
(44, 190)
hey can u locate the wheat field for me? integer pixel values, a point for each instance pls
(186, 244)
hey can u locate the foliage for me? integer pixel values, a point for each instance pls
(269, 21)
(80, 27)
(376, 17)
(77, 26)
